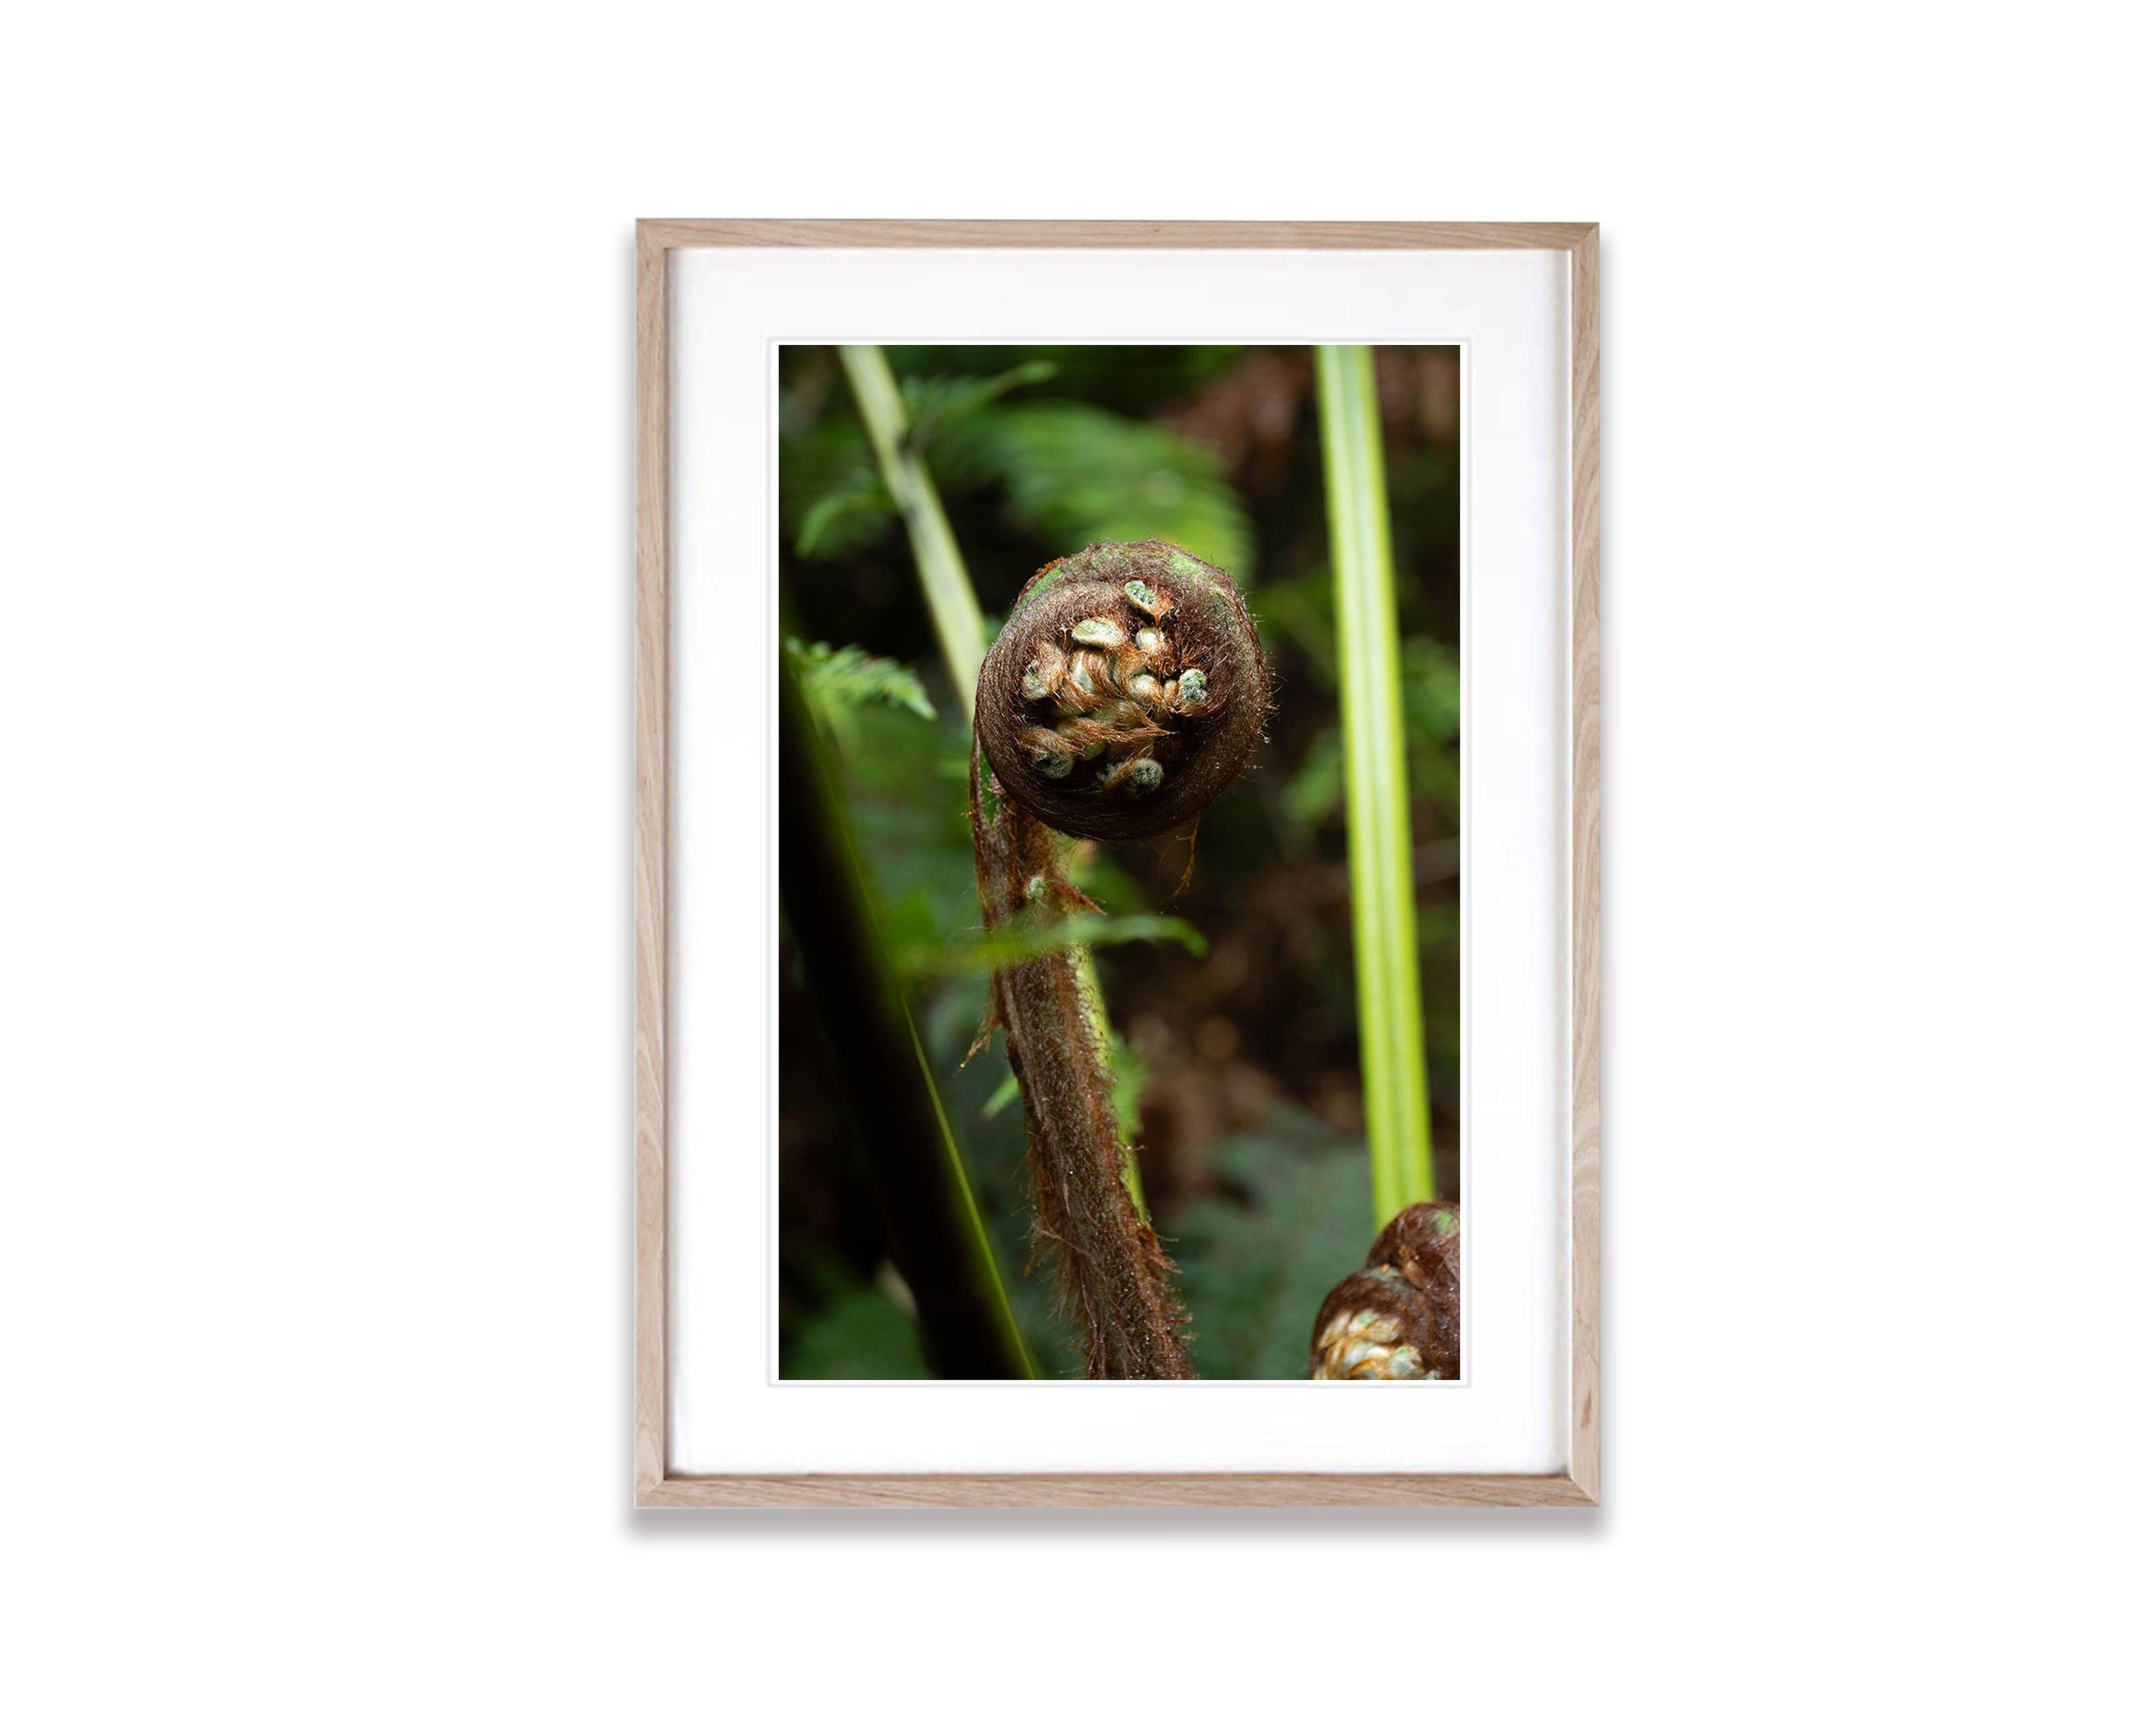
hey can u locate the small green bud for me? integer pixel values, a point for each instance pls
(1144, 776)
(1141, 596)
(1190, 687)
(1052, 765)
(1036, 889)
(1097, 631)
(1035, 684)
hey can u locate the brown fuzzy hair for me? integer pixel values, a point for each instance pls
(1399, 1316)
(1043, 680)
(1116, 1280)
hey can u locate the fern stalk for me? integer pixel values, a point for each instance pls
(953, 608)
(1121, 700)
(1117, 1277)
(1388, 983)
(961, 631)
(937, 1235)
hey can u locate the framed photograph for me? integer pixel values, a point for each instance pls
(1117, 840)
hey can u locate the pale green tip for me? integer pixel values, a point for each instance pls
(1097, 631)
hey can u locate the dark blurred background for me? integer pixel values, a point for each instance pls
(1237, 1071)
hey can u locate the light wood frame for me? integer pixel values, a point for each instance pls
(1580, 1482)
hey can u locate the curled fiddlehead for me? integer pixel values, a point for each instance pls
(1125, 693)
(1399, 1316)
(1121, 699)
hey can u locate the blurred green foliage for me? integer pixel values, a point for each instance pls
(863, 1329)
(1236, 1051)
(836, 680)
(1075, 474)
(1257, 1257)
(1070, 472)
(1430, 689)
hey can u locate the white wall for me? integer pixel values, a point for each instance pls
(314, 387)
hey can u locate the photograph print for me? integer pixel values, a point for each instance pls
(1119, 854)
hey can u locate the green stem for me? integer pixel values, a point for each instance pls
(956, 614)
(1089, 981)
(1388, 984)
(944, 582)
(937, 1235)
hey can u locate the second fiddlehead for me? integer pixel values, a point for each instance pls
(1399, 1316)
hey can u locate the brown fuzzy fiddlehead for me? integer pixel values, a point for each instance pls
(1125, 693)
(1399, 1316)
(1122, 698)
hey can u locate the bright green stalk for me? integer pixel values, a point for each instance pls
(1388, 983)
(952, 606)
(960, 630)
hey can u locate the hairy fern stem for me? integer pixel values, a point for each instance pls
(1121, 699)
(1116, 1274)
